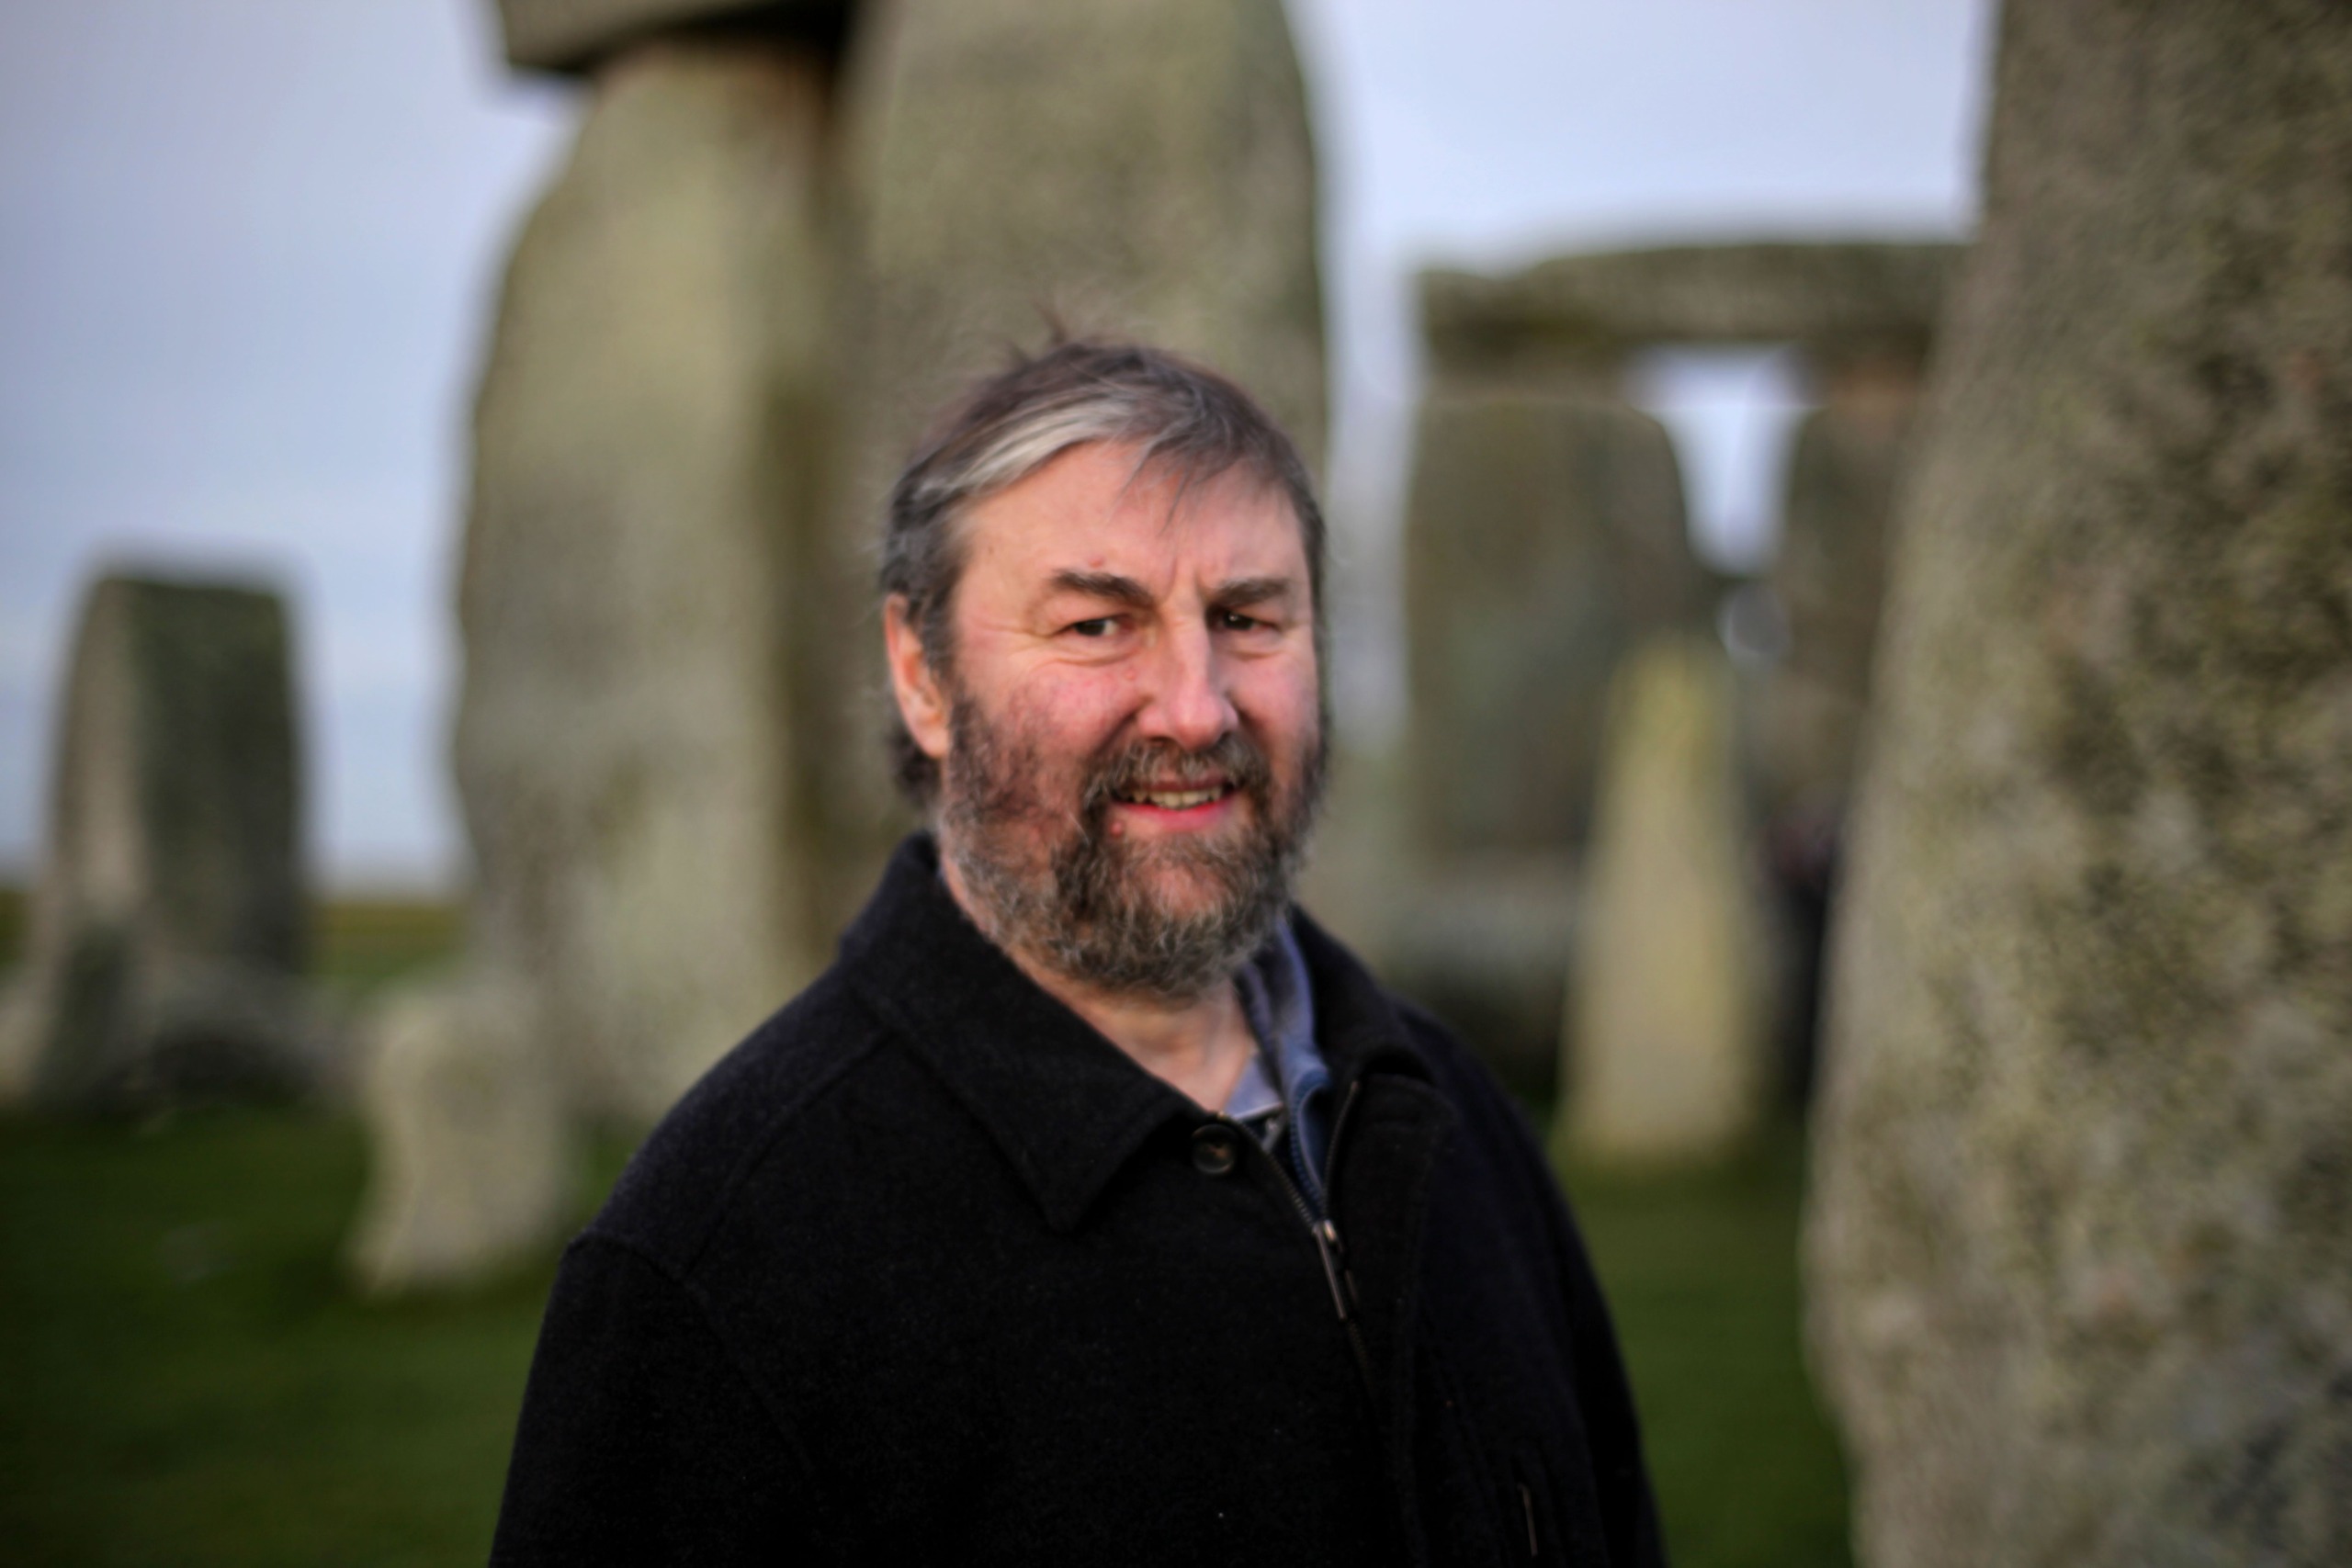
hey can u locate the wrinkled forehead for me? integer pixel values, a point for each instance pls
(1101, 489)
(1094, 504)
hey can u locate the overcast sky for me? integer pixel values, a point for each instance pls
(246, 248)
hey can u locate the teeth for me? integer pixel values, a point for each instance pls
(1177, 800)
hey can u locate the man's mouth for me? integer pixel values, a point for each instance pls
(1184, 799)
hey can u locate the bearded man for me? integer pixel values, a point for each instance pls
(1095, 1207)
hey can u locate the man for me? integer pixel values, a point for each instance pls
(1095, 1206)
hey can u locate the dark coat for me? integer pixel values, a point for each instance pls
(927, 1270)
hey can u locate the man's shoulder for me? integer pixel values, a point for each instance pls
(755, 1106)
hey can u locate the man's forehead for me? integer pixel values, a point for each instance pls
(1096, 498)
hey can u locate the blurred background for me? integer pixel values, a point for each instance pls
(252, 251)
(439, 449)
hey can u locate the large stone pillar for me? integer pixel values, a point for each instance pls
(2080, 1242)
(1142, 169)
(1544, 538)
(649, 443)
(169, 921)
(643, 453)
(1662, 1065)
(1829, 576)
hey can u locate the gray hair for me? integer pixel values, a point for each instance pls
(1181, 416)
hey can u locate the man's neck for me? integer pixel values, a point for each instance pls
(1198, 1048)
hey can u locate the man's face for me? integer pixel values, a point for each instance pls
(1130, 735)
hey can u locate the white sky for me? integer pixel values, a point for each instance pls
(247, 246)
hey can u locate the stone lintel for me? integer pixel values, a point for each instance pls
(1834, 297)
(575, 36)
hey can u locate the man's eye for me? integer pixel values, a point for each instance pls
(1235, 621)
(1099, 626)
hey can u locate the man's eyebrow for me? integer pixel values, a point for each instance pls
(1104, 585)
(1253, 590)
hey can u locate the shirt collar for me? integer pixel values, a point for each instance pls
(1065, 1106)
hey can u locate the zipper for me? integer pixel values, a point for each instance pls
(1338, 1126)
(1329, 1248)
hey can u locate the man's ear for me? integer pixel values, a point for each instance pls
(922, 703)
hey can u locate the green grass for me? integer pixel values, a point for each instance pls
(186, 1379)
(1702, 1278)
(360, 944)
(190, 1381)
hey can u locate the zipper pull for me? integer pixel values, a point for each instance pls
(1335, 1268)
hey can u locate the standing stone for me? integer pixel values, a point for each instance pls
(1141, 169)
(1544, 537)
(2080, 1231)
(1830, 576)
(1829, 579)
(644, 438)
(168, 925)
(648, 439)
(474, 1160)
(1661, 1051)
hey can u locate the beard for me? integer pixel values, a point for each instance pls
(1050, 879)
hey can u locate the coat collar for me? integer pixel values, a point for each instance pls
(1066, 1106)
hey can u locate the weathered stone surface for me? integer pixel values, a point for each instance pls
(1579, 308)
(645, 442)
(575, 35)
(2081, 1236)
(1662, 1048)
(1141, 169)
(1543, 537)
(168, 925)
(1829, 576)
(473, 1162)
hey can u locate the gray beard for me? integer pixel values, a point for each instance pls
(1088, 913)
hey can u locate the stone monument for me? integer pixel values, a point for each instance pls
(474, 1157)
(169, 921)
(1861, 311)
(2080, 1237)
(1662, 1063)
(1545, 538)
(644, 439)
(1829, 576)
(1828, 581)
(647, 449)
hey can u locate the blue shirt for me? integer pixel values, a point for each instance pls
(1284, 1093)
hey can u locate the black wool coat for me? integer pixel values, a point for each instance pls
(926, 1271)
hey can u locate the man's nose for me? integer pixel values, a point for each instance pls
(1187, 702)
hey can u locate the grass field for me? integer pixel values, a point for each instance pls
(186, 1379)
(1701, 1273)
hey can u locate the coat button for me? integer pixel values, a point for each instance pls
(1213, 1150)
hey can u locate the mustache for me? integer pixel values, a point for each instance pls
(1233, 758)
